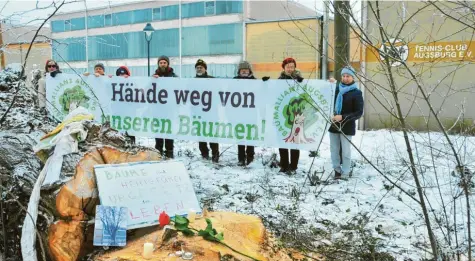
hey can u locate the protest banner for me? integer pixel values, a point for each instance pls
(275, 113)
(146, 189)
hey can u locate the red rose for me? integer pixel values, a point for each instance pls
(163, 219)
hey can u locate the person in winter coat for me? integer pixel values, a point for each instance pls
(246, 153)
(52, 68)
(123, 71)
(289, 66)
(349, 106)
(164, 70)
(99, 70)
(202, 72)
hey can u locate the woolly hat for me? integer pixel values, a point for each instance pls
(287, 61)
(163, 57)
(348, 70)
(202, 63)
(244, 65)
(122, 70)
(100, 65)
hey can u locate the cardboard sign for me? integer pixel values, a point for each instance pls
(146, 189)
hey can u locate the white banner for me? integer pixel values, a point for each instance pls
(275, 113)
(147, 189)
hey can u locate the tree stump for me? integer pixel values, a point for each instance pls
(243, 233)
(78, 198)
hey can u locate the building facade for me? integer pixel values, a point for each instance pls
(268, 43)
(16, 41)
(439, 52)
(210, 30)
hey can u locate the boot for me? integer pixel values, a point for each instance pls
(169, 154)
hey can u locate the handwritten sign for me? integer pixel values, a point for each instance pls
(147, 189)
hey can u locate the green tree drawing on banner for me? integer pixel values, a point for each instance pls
(294, 115)
(73, 95)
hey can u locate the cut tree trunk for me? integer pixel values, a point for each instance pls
(243, 233)
(78, 198)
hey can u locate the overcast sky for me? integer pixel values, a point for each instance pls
(26, 11)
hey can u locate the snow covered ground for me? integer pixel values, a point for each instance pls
(393, 217)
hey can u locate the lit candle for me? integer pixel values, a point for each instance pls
(191, 215)
(147, 250)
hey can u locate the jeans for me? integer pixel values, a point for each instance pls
(341, 162)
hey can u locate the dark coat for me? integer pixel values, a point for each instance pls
(296, 75)
(351, 110)
(250, 77)
(205, 75)
(167, 73)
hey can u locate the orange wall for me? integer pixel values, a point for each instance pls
(268, 43)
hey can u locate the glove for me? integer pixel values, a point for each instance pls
(299, 79)
(265, 78)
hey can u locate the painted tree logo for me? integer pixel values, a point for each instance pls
(298, 114)
(72, 98)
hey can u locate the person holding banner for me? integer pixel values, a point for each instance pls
(123, 71)
(289, 72)
(202, 72)
(99, 70)
(52, 68)
(349, 106)
(164, 70)
(246, 153)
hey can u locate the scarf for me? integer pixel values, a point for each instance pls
(339, 98)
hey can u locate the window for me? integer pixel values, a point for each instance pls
(70, 49)
(142, 16)
(78, 23)
(108, 20)
(156, 14)
(228, 7)
(214, 40)
(192, 10)
(95, 21)
(169, 12)
(122, 18)
(67, 25)
(57, 26)
(210, 8)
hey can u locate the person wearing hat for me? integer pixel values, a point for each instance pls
(123, 71)
(349, 106)
(289, 72)
(99, 70)
(201, 69)
(246, 153)
(164, 70)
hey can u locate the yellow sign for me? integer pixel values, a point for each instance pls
(422, 52)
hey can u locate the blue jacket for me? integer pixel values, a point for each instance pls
(352, 110)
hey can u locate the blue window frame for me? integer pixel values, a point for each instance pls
(156, 14)
(169, 12)
(108, 20)
(192, 10)
(96, 21)
(210, 8)
(228, 7)
(122, 18)
(214, 40)
(67, 25)
(78, 23)
(57, 26)
(142, 16)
